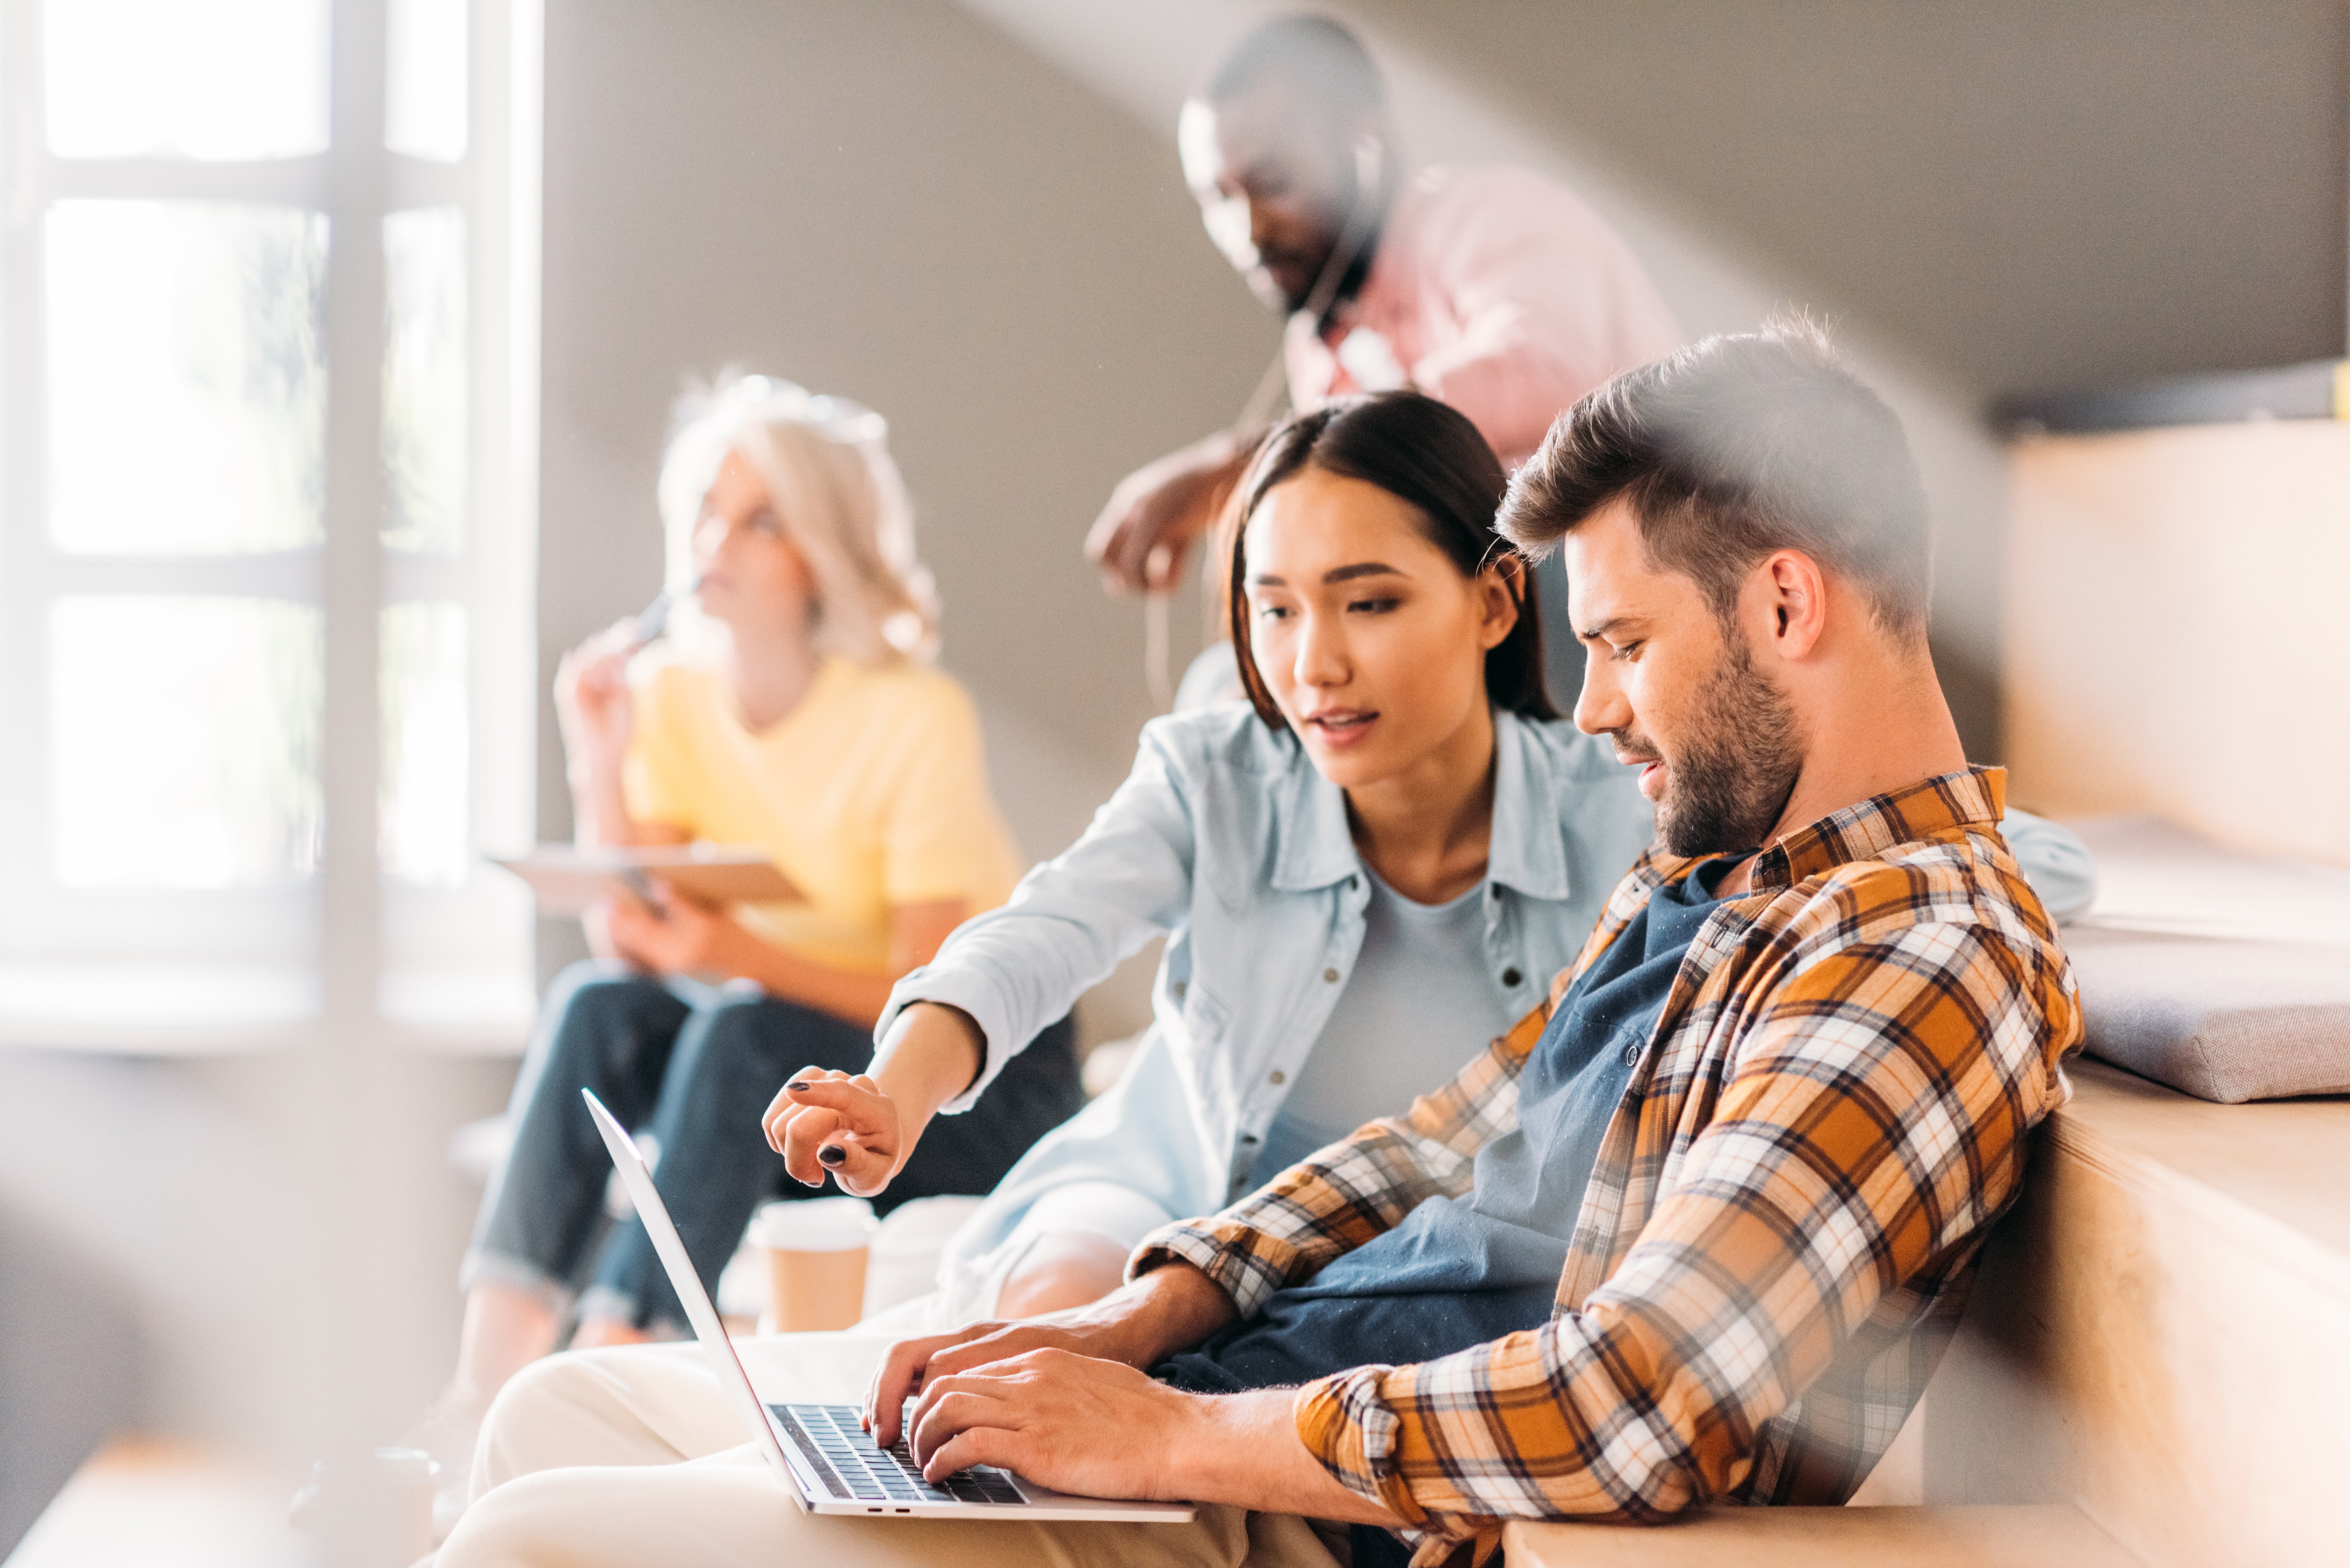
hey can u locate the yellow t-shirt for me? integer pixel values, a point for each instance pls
(871, 793)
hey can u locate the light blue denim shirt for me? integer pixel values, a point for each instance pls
(1227, 842)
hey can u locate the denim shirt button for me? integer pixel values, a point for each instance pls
(1179, 988)
(1279, 1077)
(1631, 1055)
(1511, 977)
(1331, 975)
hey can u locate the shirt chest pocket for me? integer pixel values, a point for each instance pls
(1205, 1016)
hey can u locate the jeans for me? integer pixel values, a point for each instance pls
(696, 1067)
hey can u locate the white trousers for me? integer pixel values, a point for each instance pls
(634, 1457)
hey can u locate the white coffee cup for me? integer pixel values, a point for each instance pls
(816, 1250)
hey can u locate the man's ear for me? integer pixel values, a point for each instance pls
(1795, 596)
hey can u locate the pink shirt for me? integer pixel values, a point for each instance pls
(1495, 290)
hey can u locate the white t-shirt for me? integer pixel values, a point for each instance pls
(1420, 978)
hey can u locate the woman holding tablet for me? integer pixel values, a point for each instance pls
(792, 707)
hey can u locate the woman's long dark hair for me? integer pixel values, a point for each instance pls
(1428, 455)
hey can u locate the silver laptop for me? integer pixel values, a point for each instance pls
(830, 1463)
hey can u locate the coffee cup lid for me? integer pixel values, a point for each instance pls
(814, 1224)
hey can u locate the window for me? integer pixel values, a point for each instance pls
(267, 432)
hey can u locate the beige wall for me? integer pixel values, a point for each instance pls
(2176, 643)
(898, 203)
(2026, 195)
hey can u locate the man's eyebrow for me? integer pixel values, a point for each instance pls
(1593, 634)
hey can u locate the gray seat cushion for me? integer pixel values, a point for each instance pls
(2223, 974)
(2217, 1018)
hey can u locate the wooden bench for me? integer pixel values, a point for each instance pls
(2161, 1331)
(2049, 1537)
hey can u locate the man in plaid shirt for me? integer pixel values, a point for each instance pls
(1693, 1231)
(1829, 1110)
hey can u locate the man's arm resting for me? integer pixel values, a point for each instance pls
(1167, 1310)
(1244, 1449)
(1240, 1448)
(1100, 1429)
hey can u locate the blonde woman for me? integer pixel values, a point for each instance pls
(792, 706)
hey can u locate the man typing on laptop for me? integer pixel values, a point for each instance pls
(1695, 1230)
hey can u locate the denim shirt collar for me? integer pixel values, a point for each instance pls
(1316, 849)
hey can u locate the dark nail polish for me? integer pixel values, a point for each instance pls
(832, 1154)
(796, 1088)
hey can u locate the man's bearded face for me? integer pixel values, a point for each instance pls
(1730, 763)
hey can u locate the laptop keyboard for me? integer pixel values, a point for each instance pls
(843, 1455)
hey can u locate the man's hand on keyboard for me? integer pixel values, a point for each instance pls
(1101, 1429)
(1137, 1325)
(1071, 1422)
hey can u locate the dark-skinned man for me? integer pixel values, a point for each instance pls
(1490, 288)
(1695, 1230)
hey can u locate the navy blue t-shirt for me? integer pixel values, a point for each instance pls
(1461, 1272)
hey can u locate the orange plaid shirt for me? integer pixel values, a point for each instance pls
(1784, 1217)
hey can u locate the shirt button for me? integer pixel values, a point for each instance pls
(1511, 977)
(1331, 975)
(1631, 1055)
(1279, 1077)
(1179, 988)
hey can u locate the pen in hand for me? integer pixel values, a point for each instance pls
(653, 620)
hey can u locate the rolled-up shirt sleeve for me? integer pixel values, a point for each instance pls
(1014, 970)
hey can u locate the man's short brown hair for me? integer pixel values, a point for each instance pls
(1732, 449)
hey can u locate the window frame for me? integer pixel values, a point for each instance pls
(348, 947)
